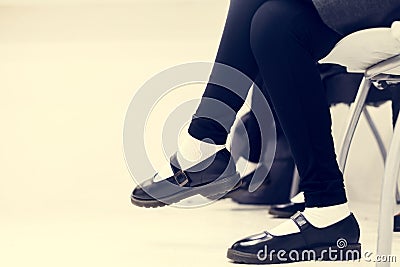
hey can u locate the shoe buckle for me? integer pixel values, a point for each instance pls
(299, 219)
(181, 178)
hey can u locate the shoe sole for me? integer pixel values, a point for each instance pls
(350, 253)
(281, 214)
(213, 190)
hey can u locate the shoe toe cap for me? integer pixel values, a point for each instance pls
(156, 190)
(252, 244)
(139, 193)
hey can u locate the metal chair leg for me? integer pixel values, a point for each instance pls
(355, 113)
(392, 169)
(375, 131)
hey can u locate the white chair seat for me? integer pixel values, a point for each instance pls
(363, 49)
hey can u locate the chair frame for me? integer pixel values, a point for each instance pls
(390, 188)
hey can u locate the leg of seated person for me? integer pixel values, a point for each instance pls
(287, 40)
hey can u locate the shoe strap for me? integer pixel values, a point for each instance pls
(300, 220)
(180, 176)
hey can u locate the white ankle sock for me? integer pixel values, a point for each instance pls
(286, 228)
(318, 217)
(190, 152)
(245, 167)
(299, 198)
(323, 217)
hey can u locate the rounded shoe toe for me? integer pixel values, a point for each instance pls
(139, 193)
(252, 244)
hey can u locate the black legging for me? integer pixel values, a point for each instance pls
(280, 42)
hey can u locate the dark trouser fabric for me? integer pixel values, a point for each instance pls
(280, 41)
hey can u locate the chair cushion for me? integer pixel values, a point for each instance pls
(363, 49)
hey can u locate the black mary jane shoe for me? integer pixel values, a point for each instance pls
(338, 242)
(212, 177)
(286, 210)
(274, 190)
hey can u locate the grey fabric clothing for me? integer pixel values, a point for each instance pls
(346, 16)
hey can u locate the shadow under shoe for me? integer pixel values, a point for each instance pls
(214, 175)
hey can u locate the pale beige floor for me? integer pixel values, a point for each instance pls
(67, 75)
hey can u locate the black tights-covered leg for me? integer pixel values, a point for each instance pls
(282, 40)
(287, 60)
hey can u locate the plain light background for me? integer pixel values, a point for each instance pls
(68, 70)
